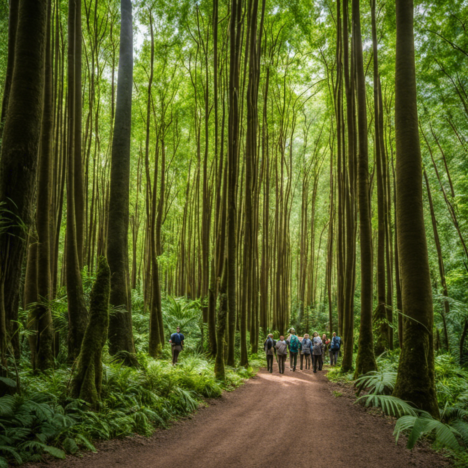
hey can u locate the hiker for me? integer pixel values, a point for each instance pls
(335, 346)
(177, 345)
(281, 352)
(269, 347)
(306, 346)
(293, 345)
(326, 343)
(316, 338)
(317, 351)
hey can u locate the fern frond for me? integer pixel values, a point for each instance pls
(389, 404)
(423, 425)
(12, 452)
(54, 451)
(379, 382)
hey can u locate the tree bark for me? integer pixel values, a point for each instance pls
(44, 354)
(77, 313)
(120, 324)
(19, 156)
(87, 381)
(415, 380)
(365, 360)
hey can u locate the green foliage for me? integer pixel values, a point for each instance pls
(449, 431)
(45, 420)
(424, 424)
(379, 382)
(389, 404)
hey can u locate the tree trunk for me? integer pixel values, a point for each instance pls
(120, 324)
(19, 156)
(440, 258)
(12, 27)
(233, 151)
(77, 313)
(415, 380)
(87, 381)
(44, 353)
(365, 360)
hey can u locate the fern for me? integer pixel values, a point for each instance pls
(54, 451)
(84, 441)
(70, 445)
(378, 382)
(424, 424)
(12, 452)
(390, 405)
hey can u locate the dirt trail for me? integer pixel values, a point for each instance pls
(272, 421)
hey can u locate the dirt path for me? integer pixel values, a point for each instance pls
(272, 421)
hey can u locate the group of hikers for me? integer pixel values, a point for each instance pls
(311, 351)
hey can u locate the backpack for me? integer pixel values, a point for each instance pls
(336, 343)
(294, 344)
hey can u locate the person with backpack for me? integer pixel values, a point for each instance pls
(281, 353)
(306, 346)
(317, 351)
(335, 346)
(316, 338)
(269, 347)
(293, 345)
(326, 346)
(177, 345)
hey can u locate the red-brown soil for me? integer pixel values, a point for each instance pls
(298, 419)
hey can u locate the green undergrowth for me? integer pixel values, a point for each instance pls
(449, 433)
(43, 419)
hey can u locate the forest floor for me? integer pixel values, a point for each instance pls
(298, 419)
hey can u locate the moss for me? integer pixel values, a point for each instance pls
(87, 380)
(220, 371)
(416, 379)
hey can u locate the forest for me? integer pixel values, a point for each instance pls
(235, 168)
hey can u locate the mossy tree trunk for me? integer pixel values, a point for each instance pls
(44, 353)
(221, 329)
(77, 314)
(365, 360)
(351, 205)
(415, 380)
(120, 325)
(382, 333)
(235, 39)
(12, 27)
(87, 380)
(19, 155)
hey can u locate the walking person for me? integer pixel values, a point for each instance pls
(293, 345)
(317, 352)
(270, 350)
(177, 345)
(326, 346)
(281, 353)
(335, 346)
(306, 346)
(316, 338)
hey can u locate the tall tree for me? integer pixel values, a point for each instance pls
(44, 340)
(365, 360)
(415, 380)
(235, 36)
(19, 156)
(77, 313)
(120, 324)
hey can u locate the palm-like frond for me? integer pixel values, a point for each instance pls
(390, 405)
(378, 382)
(424, 424)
